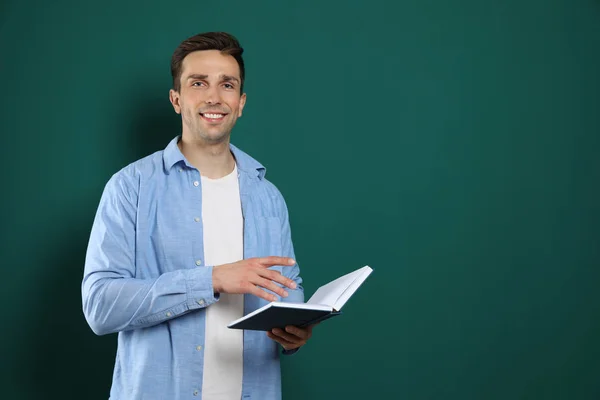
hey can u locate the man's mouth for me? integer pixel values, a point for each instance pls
(212, 117)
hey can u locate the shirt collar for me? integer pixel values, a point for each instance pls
(172, 155)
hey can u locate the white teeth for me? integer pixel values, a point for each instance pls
(213, 116)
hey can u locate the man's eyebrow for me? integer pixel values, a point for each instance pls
(229, 78)
(196, 76)
(224, 78)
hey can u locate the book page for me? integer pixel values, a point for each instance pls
(337, 292)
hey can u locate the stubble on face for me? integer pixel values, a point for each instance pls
(196, 126)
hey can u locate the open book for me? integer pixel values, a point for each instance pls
(327, 302)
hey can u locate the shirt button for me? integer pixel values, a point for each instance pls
(201, 302)
(180, 169)
(198, 348)
(197, 219)
(195, 393)
(196, 183)
(169, 314)
(198, 262)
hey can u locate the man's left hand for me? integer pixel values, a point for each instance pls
(292, 337)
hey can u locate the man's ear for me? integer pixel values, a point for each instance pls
(242, 104)
(174, 98)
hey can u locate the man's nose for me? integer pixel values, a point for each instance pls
(213, 96)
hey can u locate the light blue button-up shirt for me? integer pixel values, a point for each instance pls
(145, 276)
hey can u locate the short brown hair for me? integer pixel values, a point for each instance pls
(222, 41)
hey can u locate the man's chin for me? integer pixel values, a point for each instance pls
(214, 138)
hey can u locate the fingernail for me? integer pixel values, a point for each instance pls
(285, 294)
(291, 261)
(293, 285)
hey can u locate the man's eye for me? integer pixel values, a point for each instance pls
(197, 83)
(228, 86)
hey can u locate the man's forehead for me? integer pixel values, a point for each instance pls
(210, 63)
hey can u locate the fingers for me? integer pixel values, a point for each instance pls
(251, 275)
(258, 292)
(286, 345)
(302, 334)
(273, 260)
(292, 334)
(277, 277)
(267, 284)
(292, 337)
(288, 337)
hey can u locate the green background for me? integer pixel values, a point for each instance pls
(451, 145)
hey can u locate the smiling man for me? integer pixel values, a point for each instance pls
(189, 239)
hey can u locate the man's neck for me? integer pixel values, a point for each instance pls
(214, 161)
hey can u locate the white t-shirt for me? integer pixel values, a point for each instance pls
(223, 228)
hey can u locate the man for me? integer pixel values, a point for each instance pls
(189, 239)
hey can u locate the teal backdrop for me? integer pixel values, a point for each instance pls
(451, 145)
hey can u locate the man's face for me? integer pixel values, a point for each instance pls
(209, 100)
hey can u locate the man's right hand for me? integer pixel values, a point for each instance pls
(250, 275)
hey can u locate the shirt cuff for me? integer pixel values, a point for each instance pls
(290, 352)
(200, 288)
